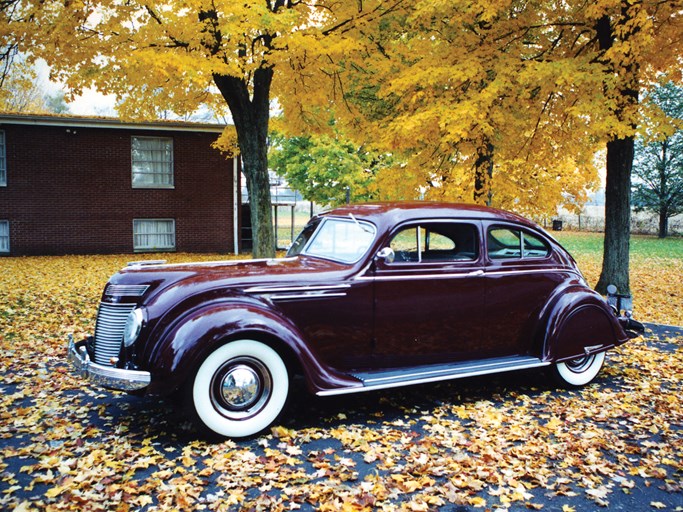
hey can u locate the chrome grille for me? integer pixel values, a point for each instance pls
(131, 290)
(111, 319)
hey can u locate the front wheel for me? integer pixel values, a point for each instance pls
(240, 388)
(579, 371)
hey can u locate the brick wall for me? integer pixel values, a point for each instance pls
(69, 191)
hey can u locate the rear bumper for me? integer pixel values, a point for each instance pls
(104, 376)
(631, 327)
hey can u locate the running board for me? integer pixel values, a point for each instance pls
(394, 378)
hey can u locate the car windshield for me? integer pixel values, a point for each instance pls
(338, 239)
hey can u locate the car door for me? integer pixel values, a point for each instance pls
(521, 275)
(335, 318)
(429, 300)
(331, 309)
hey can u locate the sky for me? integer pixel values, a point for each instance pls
(93, 103)
(90, 103)
(96, 104)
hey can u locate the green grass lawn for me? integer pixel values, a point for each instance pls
(656, 267)
(642, 246)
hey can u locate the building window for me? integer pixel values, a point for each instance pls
(152, 235)
(3, 160)
(152, 161)
(4, 237)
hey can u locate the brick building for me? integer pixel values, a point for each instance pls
(91, 186)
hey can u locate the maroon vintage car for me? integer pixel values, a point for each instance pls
(368, 297)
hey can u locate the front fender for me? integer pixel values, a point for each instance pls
(193, 337)
(580, 322)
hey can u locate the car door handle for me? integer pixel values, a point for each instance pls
(476, 273)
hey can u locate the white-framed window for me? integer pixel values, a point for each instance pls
(152, 235)
(3, 160)
(4, 237)
(152, 162)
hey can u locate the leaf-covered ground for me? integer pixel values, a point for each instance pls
(510, 442)
(656, 272)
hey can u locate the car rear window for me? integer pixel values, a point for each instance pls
(510, 243)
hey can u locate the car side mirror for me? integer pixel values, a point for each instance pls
(387, 254)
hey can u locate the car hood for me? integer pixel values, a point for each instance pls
(192, 278)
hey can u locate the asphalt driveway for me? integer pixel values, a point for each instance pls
(509, 442)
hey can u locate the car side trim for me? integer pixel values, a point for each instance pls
(532, 271)
(276, 289)
(299, 292)
(435, 373)
(474, 273)
(311, 295)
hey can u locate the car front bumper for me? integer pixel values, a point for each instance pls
(104, 376)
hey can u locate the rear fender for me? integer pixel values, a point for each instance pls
(580, 322)
(193, 337)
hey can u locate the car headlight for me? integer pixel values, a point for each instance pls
(131, 331)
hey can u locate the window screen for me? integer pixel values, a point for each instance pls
(3, 160)
(152, 161)
(4, 236)
(150, 235)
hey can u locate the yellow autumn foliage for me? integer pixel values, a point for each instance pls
(437, 83)
(433, 82)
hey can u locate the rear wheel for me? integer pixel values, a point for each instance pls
(240, 388)
(579, 371)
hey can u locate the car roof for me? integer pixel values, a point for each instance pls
(393, 213)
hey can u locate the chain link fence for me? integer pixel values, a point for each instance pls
(291, 213)
(289, 219)
(592, 218)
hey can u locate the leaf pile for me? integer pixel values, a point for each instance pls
(509, 442)
(655, 286)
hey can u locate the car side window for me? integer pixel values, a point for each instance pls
(509, 243)
(436, 242)
(534, 247)
(504, 243)
(405, 245)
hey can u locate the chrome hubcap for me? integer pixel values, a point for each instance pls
(580, 364)
(241, 387)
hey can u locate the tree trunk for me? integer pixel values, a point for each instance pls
(251, 116)
(663, 223)
(615, 263)
(663, 194)
(483, 174)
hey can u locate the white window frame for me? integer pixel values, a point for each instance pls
(156, 168)
(4, 237)
(3, 160)
(150, 238)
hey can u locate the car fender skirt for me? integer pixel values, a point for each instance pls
(187, 343)
(581, 325)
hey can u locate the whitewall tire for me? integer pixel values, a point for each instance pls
(240, 388)
(579, 371)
